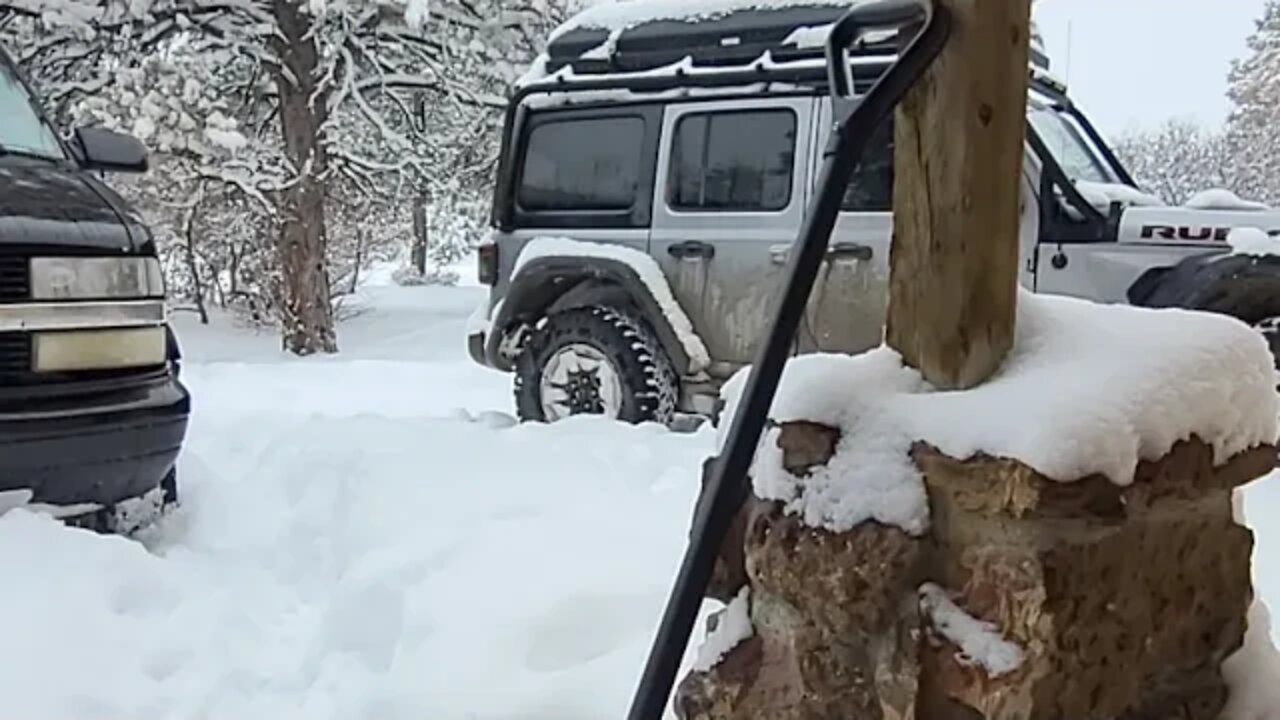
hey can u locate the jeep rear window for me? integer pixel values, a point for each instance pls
(21, 128)
(733, 161)
(583, 164)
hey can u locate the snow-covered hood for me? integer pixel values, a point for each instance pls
(1207, 218)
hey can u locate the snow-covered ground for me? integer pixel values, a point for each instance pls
(362, 537)
(367, 536)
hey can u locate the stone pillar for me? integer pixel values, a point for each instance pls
(1077, 599)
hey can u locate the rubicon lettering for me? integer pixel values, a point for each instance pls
(1192, 233)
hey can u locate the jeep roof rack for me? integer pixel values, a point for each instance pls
(648, 36)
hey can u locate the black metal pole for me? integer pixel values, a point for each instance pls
(727, 486)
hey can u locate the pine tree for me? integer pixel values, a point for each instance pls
(1253, 135)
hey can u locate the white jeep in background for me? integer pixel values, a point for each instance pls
(654, 174)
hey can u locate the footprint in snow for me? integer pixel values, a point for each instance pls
(489, 418)
(162, 663)
(496, 420)
(583, 628)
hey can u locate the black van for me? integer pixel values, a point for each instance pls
(92, 413)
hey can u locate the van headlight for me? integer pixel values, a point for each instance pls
(96, 278)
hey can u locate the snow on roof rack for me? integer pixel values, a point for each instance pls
(618, 15)
(631, 39)
(685, 75)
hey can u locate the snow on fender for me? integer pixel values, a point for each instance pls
(645, 268)
(1223, 199)
(1253, 242)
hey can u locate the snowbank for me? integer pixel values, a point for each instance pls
(363, 536)
(1087, 389)
(335, 568)
(644, 266)
(1253, 672)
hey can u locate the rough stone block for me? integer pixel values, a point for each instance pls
(1123, 600)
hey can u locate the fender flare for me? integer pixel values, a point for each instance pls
(552, 283)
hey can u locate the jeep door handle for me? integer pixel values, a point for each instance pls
(854, 251)
(692, 249)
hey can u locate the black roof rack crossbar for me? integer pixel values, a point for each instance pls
(682, 77)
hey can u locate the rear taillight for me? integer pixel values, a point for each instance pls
(487, 263)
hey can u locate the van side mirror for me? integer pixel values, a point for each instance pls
(109, 151)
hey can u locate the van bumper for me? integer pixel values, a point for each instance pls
(106, 442)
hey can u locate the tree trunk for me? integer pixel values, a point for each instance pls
(189, 231)
(958, 166)
(355, 270)
(421, 231)
(305, 305)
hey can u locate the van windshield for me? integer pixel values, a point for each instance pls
(1077, 157)
(22, 130)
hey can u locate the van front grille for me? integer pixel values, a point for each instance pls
(15, 358)
(15, 278)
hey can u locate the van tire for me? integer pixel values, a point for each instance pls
(626, 343)
(170, 487)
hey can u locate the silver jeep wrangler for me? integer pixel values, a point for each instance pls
(654, 175)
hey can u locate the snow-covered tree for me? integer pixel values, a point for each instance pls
(284, 100)
(1253, 134)
(1177, 160)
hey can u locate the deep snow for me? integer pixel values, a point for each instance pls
(362, 537)
(367, 537)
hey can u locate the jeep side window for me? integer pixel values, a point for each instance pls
(583, 164)
(733, 161)
(871, 187)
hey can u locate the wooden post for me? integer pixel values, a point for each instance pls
(958, 165)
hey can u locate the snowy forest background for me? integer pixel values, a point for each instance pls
(1179, 158)
(294, 142)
